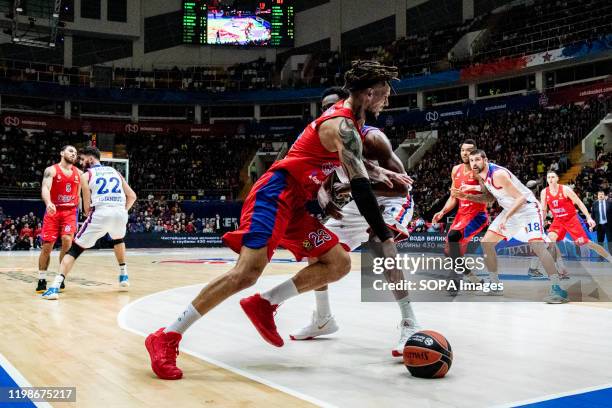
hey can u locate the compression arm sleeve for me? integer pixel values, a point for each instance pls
(368, 207)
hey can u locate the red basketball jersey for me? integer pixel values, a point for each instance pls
(65, 187)
(466, 182)
(560, 205)
(308, 162)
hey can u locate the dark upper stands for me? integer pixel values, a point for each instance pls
(545, 25)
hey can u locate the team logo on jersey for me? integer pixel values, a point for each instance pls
(328, 168)
(307, 245)
(68, 188)
(555, 203)
(313, 177)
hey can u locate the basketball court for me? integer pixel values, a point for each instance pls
(505, 354)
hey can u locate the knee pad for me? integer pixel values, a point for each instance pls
(454, 236)
(117, 241)
(75, 251)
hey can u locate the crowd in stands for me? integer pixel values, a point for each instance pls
(155, 216)
(527, 142)
(184, 163)
(19, 232)
(24, 156)
(190, 162)
(163, 217)
(594, 177)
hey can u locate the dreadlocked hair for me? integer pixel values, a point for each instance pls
(367, 73)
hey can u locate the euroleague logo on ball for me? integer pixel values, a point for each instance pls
(428, 354)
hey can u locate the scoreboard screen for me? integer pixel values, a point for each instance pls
(256, 23)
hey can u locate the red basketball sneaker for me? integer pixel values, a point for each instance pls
(261, 314)
(163, 349)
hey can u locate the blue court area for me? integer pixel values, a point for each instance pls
(592, 399)
(7, 382)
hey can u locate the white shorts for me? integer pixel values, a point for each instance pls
(101, 221)
(352, 229)
(525, 225)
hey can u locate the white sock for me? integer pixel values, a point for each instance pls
(122, 269)
(322, 299)
(494, 277)
(189, 316)
(42, 274)
(57, 282)
(280, 293)
(534, 263)
(406, 309)
(554, 279)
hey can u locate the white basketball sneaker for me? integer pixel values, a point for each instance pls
(319, 326)
(124, 283)
(408, 328)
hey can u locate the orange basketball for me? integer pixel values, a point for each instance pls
(427, 354)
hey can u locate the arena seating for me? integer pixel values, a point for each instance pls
(161, 216)
(518, 140)
(521, 29)
(187, 163)
(155, 216)
(545, 25)
(19, 232)
(593, 178)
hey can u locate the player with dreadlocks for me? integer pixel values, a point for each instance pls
(274, 214)
(396, 205)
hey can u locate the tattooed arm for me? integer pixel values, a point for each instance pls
(45, 190)
(342, 136)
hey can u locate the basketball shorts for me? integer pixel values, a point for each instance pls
(274, 214)
(63, 222)
(470, 225)
(528, 220)
(571, 226)
(352, 229)
(102, 220)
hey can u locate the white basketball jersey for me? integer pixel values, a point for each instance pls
(106, 187)
(504, 199)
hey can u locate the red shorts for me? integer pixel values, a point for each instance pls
(469, 225)
(63, 222)
(274, 215)
(571, 225)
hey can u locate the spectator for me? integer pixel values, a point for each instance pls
(602, 214)
(540, 168)
(26, 237)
